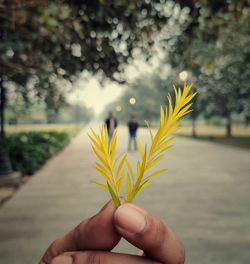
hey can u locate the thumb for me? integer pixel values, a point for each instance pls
(148, 233)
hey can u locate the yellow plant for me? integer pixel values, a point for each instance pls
(115, 171)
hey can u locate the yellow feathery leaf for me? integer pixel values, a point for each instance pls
(121, 165)
(170, 107)
(128, 188)
(112, 146)
(118, 158)
(113, 195)
(186, 90)
(165, 143)
(144, 185)
(156, 173)
(130, 171)
(113, 142)
(106, 136)
(139, 147)
(175, 126)
(162, 122)
(103, 172)
(104, 186)
(138, 167)
(94, 133)
(142, 165)
(120, 181)
(155, 141)
(103, 142)
(188, 98)
(179, 94)
(165, 149)
(105, 151)
(166, 112)
(98, 154)
(154, 161)
(183, 111)
(176, 94)
(94, 142)
(150, 131)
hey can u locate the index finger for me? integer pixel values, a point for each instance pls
(95, 233)
(145, 231)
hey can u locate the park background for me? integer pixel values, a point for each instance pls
(65, 64)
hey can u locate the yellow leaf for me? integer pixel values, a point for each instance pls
(94, 133)
(150, 131)
(128, 188)
(120, 181)
(165, 143)
(101, 158)
(113, 195)
(178, 106)
(139, 147)
(142, 166)
(131, 174)
(155, 161)
(138, 167)
(120, 166)
(102, 172)
(94, 142)
(144, 184)
(156, 173)
(162, 122)
(104, 186)
(170, 107)
(183, 111)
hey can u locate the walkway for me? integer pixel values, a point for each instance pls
(204, 197)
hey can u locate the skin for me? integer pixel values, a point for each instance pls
(93, 239)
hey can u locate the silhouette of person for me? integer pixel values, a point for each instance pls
(132, 128)
(111, 123)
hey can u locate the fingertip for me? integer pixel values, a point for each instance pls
(130, 219)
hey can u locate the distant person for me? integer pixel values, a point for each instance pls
(111, 123)
(132, 128)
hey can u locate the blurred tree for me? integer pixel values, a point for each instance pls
(217, 55)
(62, 38)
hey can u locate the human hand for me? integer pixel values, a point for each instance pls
(93, 239)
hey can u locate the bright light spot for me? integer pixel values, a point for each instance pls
(76, 50)
(183, 75)
(118, 108)
(132, 100)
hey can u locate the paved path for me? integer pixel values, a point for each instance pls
(204, 197)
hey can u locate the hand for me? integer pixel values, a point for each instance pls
(93, 239)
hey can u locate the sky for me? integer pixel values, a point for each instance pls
(95, 96)
(90, 92)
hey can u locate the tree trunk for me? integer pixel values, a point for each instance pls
(2, 108)
(229, 126)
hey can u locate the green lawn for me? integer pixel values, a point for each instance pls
(70, 128)
(240, 138)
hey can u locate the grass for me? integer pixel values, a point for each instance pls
(240, 134)
(72, 129)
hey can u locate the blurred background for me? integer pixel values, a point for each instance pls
(64, 64)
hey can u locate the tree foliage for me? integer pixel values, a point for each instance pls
(216, 56)
(51, 40)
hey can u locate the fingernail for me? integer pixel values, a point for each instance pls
(62, 260)
(129, 219)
